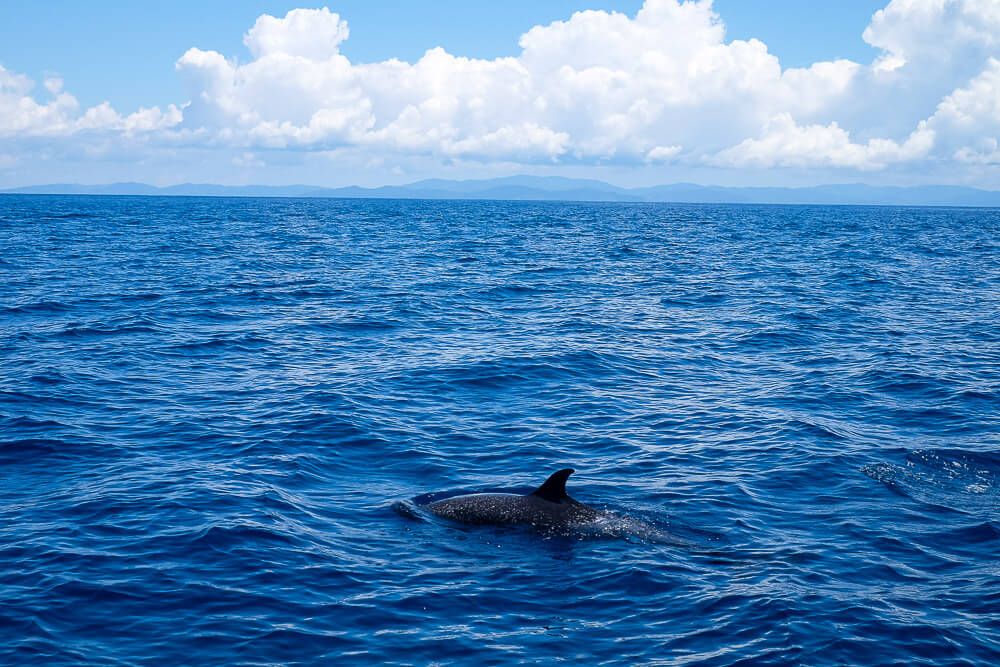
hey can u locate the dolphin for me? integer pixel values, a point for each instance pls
(548, 507)
(551, 510)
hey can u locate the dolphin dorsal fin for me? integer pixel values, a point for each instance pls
(554, 488)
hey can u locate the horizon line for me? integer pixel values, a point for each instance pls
(533, 189)
(582, 181)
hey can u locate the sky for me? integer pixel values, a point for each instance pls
(735, 92)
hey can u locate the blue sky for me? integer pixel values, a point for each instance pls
(730, 92)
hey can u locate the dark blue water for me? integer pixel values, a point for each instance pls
(215, 415)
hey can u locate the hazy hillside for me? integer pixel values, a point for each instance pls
(538, 188)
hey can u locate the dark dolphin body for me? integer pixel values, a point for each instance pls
(550, 510)
(547, 507)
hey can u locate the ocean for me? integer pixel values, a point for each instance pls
(218, 418)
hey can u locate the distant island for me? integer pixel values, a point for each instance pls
(556, 188)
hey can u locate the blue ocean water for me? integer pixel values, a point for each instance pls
(216, 416)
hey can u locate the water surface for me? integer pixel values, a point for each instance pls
(215, 414)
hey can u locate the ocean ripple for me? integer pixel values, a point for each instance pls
(219, 419)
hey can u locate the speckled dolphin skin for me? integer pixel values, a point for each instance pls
(546, 507)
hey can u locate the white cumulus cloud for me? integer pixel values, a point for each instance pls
(659, 88)
(786, 144)
(21, 115)
(968, 120)
(597, 86)
(314, 34)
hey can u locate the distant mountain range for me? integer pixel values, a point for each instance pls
(555, 188)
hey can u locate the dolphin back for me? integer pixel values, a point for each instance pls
(547, 506)
(486, 508)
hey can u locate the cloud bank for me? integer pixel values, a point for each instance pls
(663, 87)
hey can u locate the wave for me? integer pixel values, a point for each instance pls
(102, 330)
(961, 481)
(509, 371)
(37, 308)
(33, 451)
(244, 342)
(73, 215)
